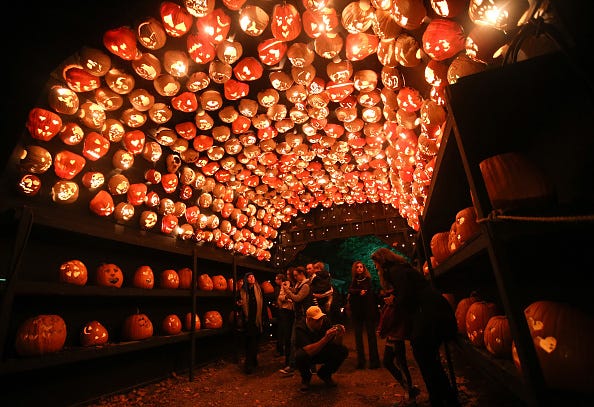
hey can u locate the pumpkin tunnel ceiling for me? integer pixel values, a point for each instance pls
(219, 121)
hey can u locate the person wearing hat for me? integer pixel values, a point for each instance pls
(317, 341)
(252, 303)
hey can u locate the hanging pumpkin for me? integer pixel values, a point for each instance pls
(205, 282)
(171, 325)
(443, 39)
(213, 320)
(188, 322)
(144, 277)
(137, 327)
(73, 272)
(40, 335)
(497, 337)
(477, 316)
(286, 22)
(176, 20)
(121, 41)
(93, 333)
(109, 275)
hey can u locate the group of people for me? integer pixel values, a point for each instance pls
(312, 343)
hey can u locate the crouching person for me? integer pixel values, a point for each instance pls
(317, 341)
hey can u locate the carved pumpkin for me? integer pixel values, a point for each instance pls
(65, 192)
(563, 337)
(121, 42)
(213, 320)
(73, 272)
(286, 22)
(439, 246)
(43, 124)
(67, 164)
(443, 39)
(171, 325)
(188, 322)
(137, 327)
(497, 337)
(477, 316)
(169, 279)
(93, 333)
(219, 282)
(102, 204)
(41, 334)
(464, 228)
(144, 277)
(177, 21)
(205, 282)
(461, 311)
(109, 275)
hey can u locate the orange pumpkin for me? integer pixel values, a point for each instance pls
(102, 204)
(73, 272)
(439, 246)
(285, 23)
(267, 287)
(213, 320)
(477, 317)
(219, 283)
(144, 277)
(93, 333)
(109, 275)
(41, 334)
(205, 282)
(188, 322)
(169, 279)
(497, 337)
(461, 310)
(464, 228)
(185, 278)
(171, 325)
(137, 327)
(43, 124)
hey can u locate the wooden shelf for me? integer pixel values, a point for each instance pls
(471, 249)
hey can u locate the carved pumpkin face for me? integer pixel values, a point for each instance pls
(102, 204)
(144, 277)
(171, 325)
(169, 279)
(205, 282)
(109, 275)
(137, 327)
(40, 335)
(43, 124)
(93, 334)
(73, 272)
(219, 282)
(213, 320)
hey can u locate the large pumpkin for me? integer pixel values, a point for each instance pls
(213, 320)
(563, 336)
(439, 246)
(464, 227)
(73, 272)
(169, 279)
(497, 337)
(188, 322)
(185, 278)
(109, 275)
(461, 310)
(219, 282)
(477, 317)
(93, 333)
(205, 282)
(144, 277)
(171, 325)
(41, 334)
(137, 327)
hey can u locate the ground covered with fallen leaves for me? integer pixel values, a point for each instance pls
(223, 383)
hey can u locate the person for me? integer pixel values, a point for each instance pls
(364, 314)
(285, 319)
(301, 296)
(251, 302)
(318, 342)
(321, 286)
(432, 321)
(274, 311)
(395, 328)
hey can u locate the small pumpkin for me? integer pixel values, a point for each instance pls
(267, 287)
(93, 333)
(45, 333)
(497, 337)
(137, 327)
(185, 278)
(109, 275)
(213, 319)
(73, 272)
(188, 322)
(464, 228)
(477, 317)
(144, 277)
(169, 279)
(461, 310)
(205, 282)
(219, 282)
(171, 325)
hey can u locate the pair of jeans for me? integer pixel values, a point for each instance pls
(359, 324)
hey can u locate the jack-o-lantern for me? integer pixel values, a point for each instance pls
(169, 279)
(109, 275)
(67, 164)
(40, 335)
(137, 327)
(144, 277)
(205, 282)
(477, 317)
(443, 38)
(286, 22)
(177, 21)
(219, 282)
(43, 124)
(272, 51)
(102, 204)
(121, 42)
(497, 337)
(171, 325)
(36, 159)
(185, 278)
(267, 287)
(213, 320)
(93, 333)
(73, 272)
(464, 228)
(29, 185)
(440, 246)
(461, 311)
(188, 322)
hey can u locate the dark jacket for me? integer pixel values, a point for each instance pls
(362, 306)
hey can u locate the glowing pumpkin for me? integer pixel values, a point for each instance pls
(137, 327)
(188, 322)
(497, 337)
(73, 272)
(213, 320)
(219, 282)
(40, 335)
(205, 282)
(169, 279)
(109, 275)
(477, 316)
(93, 333)
(144, 277)
(171, 325)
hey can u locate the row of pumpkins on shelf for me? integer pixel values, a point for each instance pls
(562, 336)
(46, 333)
